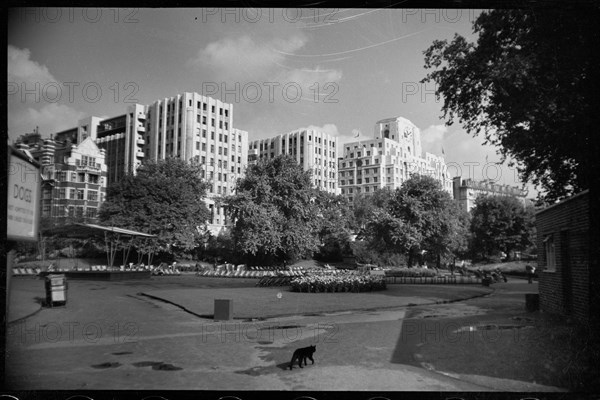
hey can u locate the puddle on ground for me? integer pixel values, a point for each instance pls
(121, 353)
(474, 328)
(281, 327)
(166, 367)
(156, 365)
(146, 363)
(107, 365)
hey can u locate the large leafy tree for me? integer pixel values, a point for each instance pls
(334, 216)
(163, 198)
(528, 85)
(419, 216)
(501, 224)
(274, 211)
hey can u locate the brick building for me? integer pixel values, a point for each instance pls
(566, 279)
(73, 177)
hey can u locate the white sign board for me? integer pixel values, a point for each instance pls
(23, 214)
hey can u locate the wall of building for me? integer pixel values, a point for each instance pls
(565, 290)
(314, 150)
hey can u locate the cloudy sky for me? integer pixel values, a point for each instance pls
(339, 70)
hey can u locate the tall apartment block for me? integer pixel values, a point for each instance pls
(388, 160)
(73, 177)
(466, 191)
(199, 128)
(188, 126)
(315, 151)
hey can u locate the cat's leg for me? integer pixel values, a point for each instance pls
(311, 359)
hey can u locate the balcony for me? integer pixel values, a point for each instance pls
(141, 128)
(141, 116)
(140, 141)
(139, 154)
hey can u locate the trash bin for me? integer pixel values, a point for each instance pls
(223, 310)
(532, 302)
(56, 290)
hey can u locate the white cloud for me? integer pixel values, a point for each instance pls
(244, 58)
(330, 129)
(50, 118)
(22, 69)
(25, 112)
(432, 138)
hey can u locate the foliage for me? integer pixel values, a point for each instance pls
(367, 255)
(419, 217)
(411, 272)
(528, 85)
(337, 281)
(364, 206)
(501, 224)
(274, 211)
(334, 216)
(163, 198)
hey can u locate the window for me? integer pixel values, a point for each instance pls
(90, 212)
(550, 253)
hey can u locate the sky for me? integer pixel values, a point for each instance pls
(337, 70)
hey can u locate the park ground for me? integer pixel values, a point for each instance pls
(159, 334)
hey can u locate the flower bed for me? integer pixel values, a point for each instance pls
(411, 272)
(337, 281)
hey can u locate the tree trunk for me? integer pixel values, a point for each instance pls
(438, 262)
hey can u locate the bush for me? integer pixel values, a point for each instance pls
(365, 255)
(337, 281)
(411, 272)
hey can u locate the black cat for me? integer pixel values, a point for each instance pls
(302, 354)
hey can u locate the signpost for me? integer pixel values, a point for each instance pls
(23, 211)
(23, 206)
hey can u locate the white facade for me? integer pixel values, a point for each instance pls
(388, 160)
(315, 151)
(200, 128)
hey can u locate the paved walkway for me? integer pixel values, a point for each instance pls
(271, 302)
(111, 336)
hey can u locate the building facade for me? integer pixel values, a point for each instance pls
(466, 191)
(200, 129)
(314, 150)
(187, 126)
(388, 160)
(74, 178)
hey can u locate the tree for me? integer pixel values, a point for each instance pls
(420, 216)
(274, 211)
(528, 84)
(163, 198)
(500, 224)
(364, 206)
(333, 218)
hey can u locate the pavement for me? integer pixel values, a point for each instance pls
(159, 334)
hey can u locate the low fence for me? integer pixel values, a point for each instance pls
(428, 280)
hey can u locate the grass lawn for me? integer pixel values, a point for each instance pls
(510, 267)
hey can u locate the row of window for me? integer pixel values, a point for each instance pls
(374, 171)
(74, 194)
(80, 177)
(68, 211)
(368, 189)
